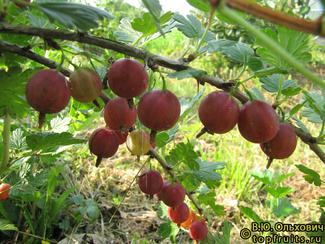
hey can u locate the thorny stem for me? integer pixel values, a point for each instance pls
(269, 43)
(290, 21)
(6, 143)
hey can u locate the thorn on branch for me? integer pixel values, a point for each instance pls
(189, 58)
(52, 44)
(228, 85)
(312, 140)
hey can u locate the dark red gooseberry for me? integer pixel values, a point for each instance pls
(159, 110)
(4, 191)
(118, 115)
(198, 230)
(121, 136)
(159, 193)
(282, 145)
(128, 78)
(21, 5)
(172, 195)
(179, 214)
(86, 85)
(103, 143)
(258, 121)
(48, 92)
(150, 182)
(219, 112)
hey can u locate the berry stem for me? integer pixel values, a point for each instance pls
(6, 143)
(164, 88)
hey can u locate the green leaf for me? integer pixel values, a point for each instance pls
(162, 211)
(270, 71)
(155, 9)
(209, 199)
(147, 26)
(281, 177)
(226, 230)
(257, 94)
(264, 176)
(168, 229)
(310, 176)
(7, 225)
(207, 171)
(77, 199)
(321, 201)
(3, 211)
(161, 139)
(255, 64)
(315, 104)
(278, 192)
(36, 196)
(47, 140)
(239, 53)
(92, 208)
(12, 94)
(17, 140)
(74, 15)
(183, 153)
(187, 106)
(191, 27)
(291, 91)
(59, 125)
(126, 33)
(36, 20)
(295, 42)
(300, 124)
(60, 202)
(272, 84)
(215, 46)
(189, 73)
(201, 5)
(296, 109)
(251, 214)
(283, 207)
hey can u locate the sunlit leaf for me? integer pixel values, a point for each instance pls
(74, 15)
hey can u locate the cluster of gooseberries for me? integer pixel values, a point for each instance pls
(173, 195)
(257, 122)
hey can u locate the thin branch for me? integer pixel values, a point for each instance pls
(308, 26)
(131, 51)
(9, 47)
(151, 58)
